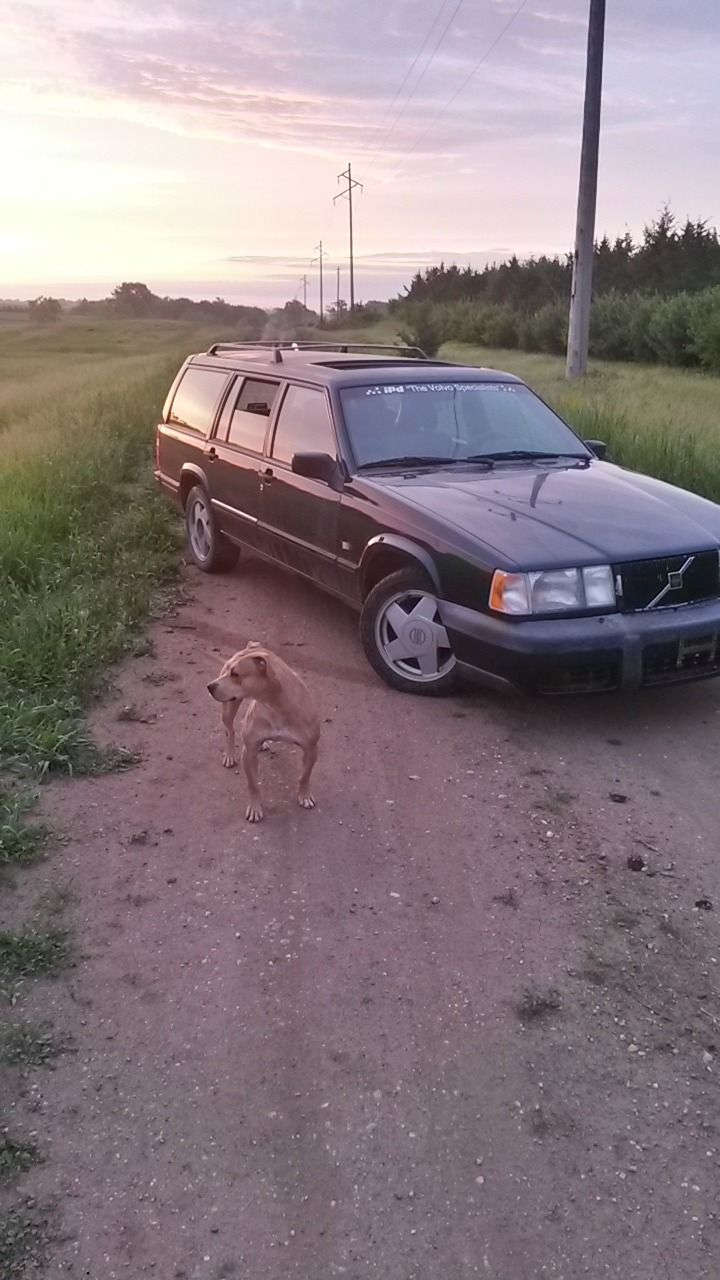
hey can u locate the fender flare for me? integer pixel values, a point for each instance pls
(408, 547)
(196, 474)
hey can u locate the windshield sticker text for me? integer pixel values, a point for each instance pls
(423, 388)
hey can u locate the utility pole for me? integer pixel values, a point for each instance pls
(321, 254)
(347, 194)
(304, 289)
(337, 296)
(581, 295)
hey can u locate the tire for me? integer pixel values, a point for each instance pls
(210, 551)
(423, 662)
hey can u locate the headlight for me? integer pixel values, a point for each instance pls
(553, 590)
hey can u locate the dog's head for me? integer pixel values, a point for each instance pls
(245, 675)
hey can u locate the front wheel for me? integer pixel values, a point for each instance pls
(209, 549)
(403, 636)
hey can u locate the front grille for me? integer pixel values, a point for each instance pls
(643, 580)
(673, 662)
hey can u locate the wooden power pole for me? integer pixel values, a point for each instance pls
(581, 295)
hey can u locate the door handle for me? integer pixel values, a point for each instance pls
(266, 475)
(211, 454)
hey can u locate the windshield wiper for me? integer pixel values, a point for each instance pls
(524, 455)
(486, 459)
(408, 460)
(422, 460)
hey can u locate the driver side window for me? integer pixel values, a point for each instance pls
(303, 426)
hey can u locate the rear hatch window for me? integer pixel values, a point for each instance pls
(196, 398)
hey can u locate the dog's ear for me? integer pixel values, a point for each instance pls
(260, 666)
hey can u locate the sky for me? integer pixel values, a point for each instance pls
(195, 145)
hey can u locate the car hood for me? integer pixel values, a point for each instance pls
(546, 516)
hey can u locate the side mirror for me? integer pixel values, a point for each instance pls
(316, 466)
(599, 448)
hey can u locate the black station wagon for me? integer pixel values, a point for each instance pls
(477, 534)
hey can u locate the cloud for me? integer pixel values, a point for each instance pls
(318, 76)
(392, 263)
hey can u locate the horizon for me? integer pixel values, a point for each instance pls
(236, 293)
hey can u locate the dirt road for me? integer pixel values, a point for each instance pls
(436, 1028)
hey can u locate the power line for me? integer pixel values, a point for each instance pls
(422, 75)
(409, 72)
(453, 98)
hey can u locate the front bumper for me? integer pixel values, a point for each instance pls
(587, 655)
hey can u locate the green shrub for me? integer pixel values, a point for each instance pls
(669, 330)
(704, 327)
(549, 328)
(422, 328)
(611, 327)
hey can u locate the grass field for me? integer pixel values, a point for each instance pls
(83, 537)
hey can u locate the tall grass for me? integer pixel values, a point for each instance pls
(84, 539)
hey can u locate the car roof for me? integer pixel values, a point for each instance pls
(339, 363)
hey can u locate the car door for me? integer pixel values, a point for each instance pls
(299, 516)
(234, 456)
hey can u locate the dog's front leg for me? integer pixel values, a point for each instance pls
(249, 758)
(310, 755)
(229, 712)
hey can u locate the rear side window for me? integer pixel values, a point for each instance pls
(196, 398)
(304, 425)
(253, 407)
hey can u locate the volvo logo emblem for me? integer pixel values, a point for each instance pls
(674, 583)
(417, 636)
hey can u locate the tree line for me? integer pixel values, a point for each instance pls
(669, 259)
(656, 300)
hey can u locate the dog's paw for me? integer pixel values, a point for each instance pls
(306, 801)
(229, 761)
(254, 812)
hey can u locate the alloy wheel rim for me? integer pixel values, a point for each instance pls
(410, 635)
(199, 529)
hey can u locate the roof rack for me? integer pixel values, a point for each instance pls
(336, 348)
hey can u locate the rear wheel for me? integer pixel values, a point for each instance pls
(209, 549)
(403, 636)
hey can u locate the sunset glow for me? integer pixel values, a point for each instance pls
(196, 145)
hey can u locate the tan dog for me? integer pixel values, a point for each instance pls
(279, 709)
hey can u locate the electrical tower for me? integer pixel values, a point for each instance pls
(347, 195)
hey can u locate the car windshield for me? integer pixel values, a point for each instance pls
(452, 422)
